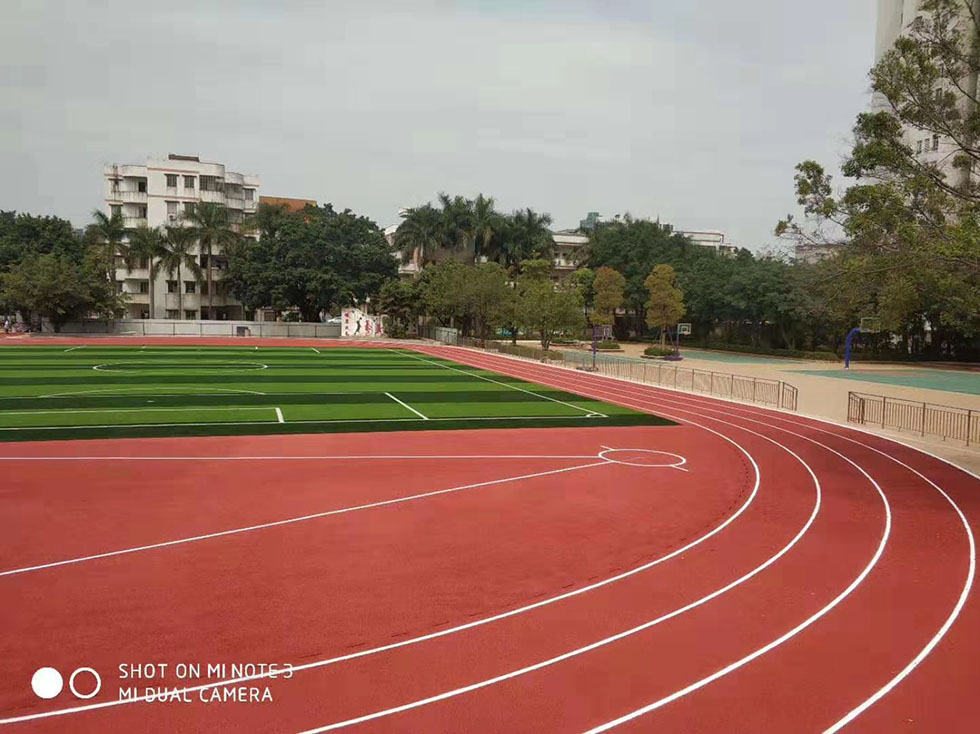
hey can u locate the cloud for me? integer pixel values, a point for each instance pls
(696, 111)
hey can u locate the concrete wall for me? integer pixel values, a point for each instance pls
(166, 327)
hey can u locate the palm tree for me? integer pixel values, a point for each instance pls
(485, 225)
(457, 222)
(146, 243)
(109, 231)
(528, 237)
(209, 226)
(177, 253)
(420, 235)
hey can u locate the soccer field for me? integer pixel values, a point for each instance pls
(59, 392)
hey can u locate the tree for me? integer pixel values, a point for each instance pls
(58, 288)
(457, 223)
(315, 260)
(210, 226)
(584, 280)
(524, 235)
(420, 235)
(400, 301)
(109, 232)
(177, 253)
(608, 287)
(666, 303)
(146, 243)
(24, 235)
(485, 223)
(545, 307)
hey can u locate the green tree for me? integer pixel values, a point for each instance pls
(211, 227)
(400, 301)
(176, 253)
(584, 280)
(109, 234)
(485, 223)
(58, 288)
(609, 286)
(146, 244)
(420, 236)
(665, 305)
(524, 235)
(24, 235)
(544, 307)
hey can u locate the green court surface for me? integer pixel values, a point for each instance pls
(947, 380)
(57, 392)
(710, 356)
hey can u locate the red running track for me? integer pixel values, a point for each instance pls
(791, 575)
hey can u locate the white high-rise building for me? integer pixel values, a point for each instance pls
(157, 194)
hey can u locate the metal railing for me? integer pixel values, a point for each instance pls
(926, 419)
(774, 393)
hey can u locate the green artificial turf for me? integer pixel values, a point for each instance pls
(57, 392)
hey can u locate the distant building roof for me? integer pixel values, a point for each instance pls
(293, 205)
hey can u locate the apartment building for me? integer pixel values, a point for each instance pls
(158, 193)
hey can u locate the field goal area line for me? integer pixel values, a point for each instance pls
(589, 413)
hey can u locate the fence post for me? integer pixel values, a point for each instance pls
(924, 419)
(884, 405)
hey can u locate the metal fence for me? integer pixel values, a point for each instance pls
(775, 393)
(926, 419)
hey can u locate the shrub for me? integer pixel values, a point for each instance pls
(519, 350)
(656, 350)
(607, 344)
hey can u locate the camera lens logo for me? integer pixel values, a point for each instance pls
(47, 683)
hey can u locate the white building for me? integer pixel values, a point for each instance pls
(895, 19)
(158, 194)
(710, 238)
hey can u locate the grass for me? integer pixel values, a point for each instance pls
(54, 392)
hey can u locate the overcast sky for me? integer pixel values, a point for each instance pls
(693, 110)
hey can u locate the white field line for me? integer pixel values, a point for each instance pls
(315, 350)
(113, 390)
(469, 625)
(504, 384)
(72, 349)
(131, 410)
(741, 411)
(406, 405)
(279, 416)
(301, 518)
(303, 422)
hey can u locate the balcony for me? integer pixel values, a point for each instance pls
(215, 197)
(235, 202)
(134, 222)
(136, 297)
(131, 197)
(250, 205)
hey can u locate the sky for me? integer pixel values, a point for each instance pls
(694, 111)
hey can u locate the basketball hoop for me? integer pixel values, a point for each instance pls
(684, 329)
(870, 324)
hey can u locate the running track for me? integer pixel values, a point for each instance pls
(791, 575)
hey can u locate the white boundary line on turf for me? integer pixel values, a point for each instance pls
(112, 390)
(406, 405)
(590, 413)
(469, 625)
(129, 410)
(72, 349)
(279, 416)
(255, 367)
(293, 520)
(692, 400)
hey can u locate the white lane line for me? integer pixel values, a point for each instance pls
(406, 405)
(342, 457)
(293, 520)
(646, 625)
(469, 625)
(279, 416)
(72, 349)
(971, 573)
(504, 384)
(315, 350)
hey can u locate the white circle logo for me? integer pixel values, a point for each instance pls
(94, 692)
(47, 682)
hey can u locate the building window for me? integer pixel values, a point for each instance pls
(189, 314)
(119, 286)
(172, 210)
(173, 313)
(188, 182)
(172, 286)
(190, 286)
(918, 146)
(144, 286)
(171, 180)
(141, 185)
(142, 211)
(204, 288)
(143, 262)
(115, 210)
(189, 207)
(935, 142)
(249, 194)
(115, 185)
(144, 314)
(211, 183)
(204, 261)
